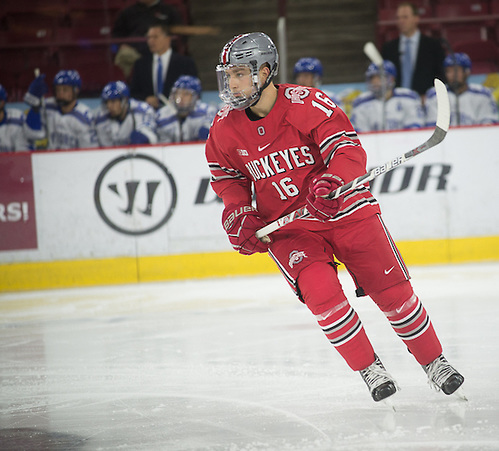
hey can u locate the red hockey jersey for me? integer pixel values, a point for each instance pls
(304, 135)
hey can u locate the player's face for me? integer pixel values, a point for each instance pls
(65, 94)
(184, 100)
(115, 107)
(239, 80)
(306, 79)
(237, 85)
(455, 75)
(157, 41)
(377, 85)
(407, 22)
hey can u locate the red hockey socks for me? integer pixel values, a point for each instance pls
(323, 295)
(412, 324)
(344, 330)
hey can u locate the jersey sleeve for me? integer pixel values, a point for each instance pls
(145, 118)
(487, 111)
(226, 180)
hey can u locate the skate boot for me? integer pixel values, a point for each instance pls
(442, 376)
(378, 381)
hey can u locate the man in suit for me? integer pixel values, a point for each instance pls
(134, 21)
(154, 75)
(417, 57)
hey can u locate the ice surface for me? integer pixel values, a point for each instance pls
(238, 364)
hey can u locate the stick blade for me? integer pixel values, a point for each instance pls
(372, 53)
(443, 105)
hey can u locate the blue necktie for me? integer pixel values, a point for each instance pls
(407, 65)
(159, 77)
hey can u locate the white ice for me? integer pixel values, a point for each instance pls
(238, 364)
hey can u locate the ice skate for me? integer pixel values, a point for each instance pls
(378, 381)
(442, 376)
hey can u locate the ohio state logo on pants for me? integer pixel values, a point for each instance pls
(296, 257)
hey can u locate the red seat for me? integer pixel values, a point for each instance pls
(461, 9)
(459, 32)
(484, 55)
(95, 65)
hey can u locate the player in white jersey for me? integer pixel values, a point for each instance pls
(308, 71)
(121, 120)
(65, 122)
(12, 123)
(385, 107)
(185, 117)
(470, 104)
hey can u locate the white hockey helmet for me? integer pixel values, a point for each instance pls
(251, 51)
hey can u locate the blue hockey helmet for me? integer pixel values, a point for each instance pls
(115, 90)
(188, 82)
(388, 67)
(184, 102)
(458, 59)
(308, 64)
(3, 93)
(68, 77)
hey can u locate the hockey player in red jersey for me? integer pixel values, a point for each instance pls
(292, 145)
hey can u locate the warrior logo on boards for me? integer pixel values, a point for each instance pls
(135, 194)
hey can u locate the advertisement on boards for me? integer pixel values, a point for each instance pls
(17, 203)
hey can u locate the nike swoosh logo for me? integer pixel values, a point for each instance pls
(260, 148)
(388, 271)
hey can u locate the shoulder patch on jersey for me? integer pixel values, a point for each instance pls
(405, 92)
(362, 98)
(296, 94)
(224, 112)
(478, 89)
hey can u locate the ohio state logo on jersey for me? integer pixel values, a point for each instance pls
(297, 94)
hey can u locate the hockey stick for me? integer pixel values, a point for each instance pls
(44, 111)
(439, 133)
(373, 54)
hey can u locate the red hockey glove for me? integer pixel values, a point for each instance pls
(241, 222)
(317, 206)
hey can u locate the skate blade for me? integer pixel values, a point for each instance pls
(459, 393)
(388, 402)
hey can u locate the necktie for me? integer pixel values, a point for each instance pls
(407, 65)
(159, 82)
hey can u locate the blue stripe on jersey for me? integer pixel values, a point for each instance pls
(167, 121)
(81, 117)
(14, 121)
(102, 118)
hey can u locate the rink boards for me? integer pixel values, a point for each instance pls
(120, 215)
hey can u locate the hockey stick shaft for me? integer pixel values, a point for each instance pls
(44, 110)
(439, 133)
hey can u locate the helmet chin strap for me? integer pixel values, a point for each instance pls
(260, 90)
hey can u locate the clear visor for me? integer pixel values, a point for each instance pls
(380, 85)
(184, 100)
(238, 86)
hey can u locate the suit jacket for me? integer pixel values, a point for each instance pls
(141, 85)
(428, 65)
